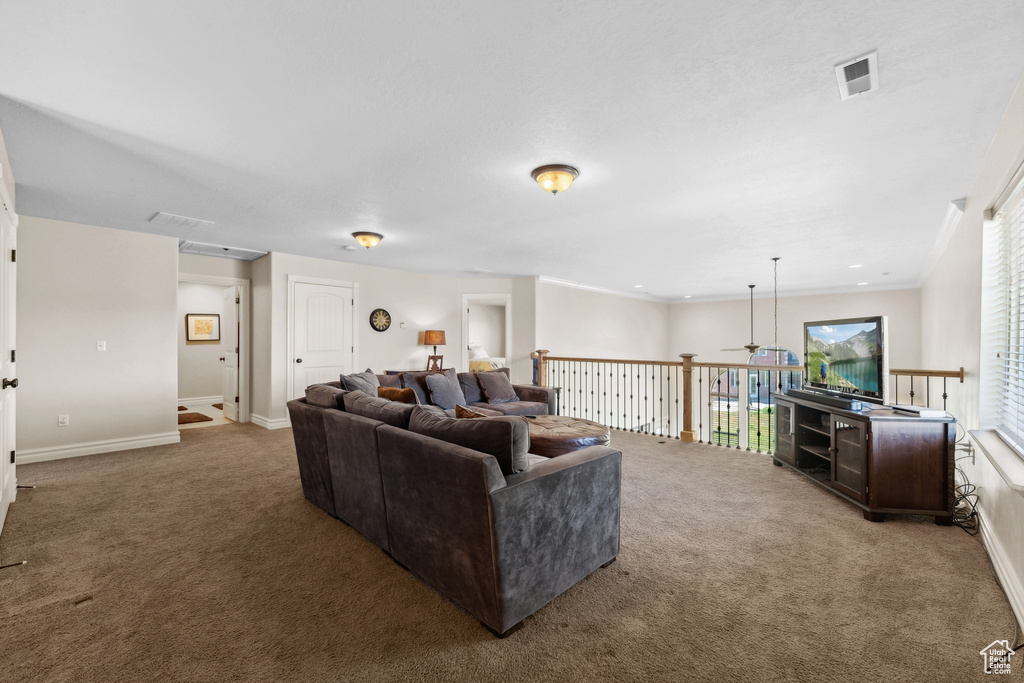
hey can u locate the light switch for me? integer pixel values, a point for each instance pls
(101, 346)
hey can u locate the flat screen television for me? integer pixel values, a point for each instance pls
(847, 358)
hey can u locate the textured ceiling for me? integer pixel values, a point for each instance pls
(710, 137)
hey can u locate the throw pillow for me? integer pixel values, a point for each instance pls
(496, 387)
(464, 412)
(361, 381)
(445, 391)
(398, 395)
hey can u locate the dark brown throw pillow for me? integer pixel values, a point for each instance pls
(496, 387)
(398, 395)
(464, 412)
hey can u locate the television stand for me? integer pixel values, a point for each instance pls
(881, 461)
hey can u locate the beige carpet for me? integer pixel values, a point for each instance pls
(202, 561)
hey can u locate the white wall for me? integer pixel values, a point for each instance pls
(951, 323)
(421, 301)
(705, 328)
(487, 328)
(578, 322)
(79, 284)
(200, 370)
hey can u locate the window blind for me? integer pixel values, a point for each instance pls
(1007, 259)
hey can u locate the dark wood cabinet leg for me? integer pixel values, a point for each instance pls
(874, 516)
(944, 521)
(776, 462)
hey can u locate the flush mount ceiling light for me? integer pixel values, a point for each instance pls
(368, 239)
(555, 178)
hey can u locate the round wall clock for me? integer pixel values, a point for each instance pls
(380, 319)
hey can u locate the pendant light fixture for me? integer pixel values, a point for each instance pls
(555, 178)
(776, 260)
(751, 347)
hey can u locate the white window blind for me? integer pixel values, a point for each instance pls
(1007, 258)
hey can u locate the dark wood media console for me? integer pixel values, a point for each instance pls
(880, 460)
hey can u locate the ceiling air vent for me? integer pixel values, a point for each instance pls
(176, 221)
(189, 247)
(858, 76)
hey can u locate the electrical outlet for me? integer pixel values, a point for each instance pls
(63, 420)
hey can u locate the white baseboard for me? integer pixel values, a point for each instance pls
(201, 399)
(1004, 568)
(266, 423)
(93, 447)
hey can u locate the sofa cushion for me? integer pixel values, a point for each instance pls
(496, 387)
(445, 390)
(471, 386)
(390, 381)
(325, 396)
(506, 438)
(417, 381)
(361, 381)
(396, 394)
(389, 412)
(513, 408)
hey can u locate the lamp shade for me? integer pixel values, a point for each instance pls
(433, 338)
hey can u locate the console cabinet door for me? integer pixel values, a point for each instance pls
(785, 441)
(850, 457)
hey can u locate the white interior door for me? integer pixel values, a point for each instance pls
(322, 342)
(8, 281)
(229, 346)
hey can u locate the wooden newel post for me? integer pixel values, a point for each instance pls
(687, 434)
(542, 366)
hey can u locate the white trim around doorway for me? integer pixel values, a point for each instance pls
(495, 299)
(244, 333)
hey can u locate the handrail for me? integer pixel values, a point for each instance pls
(959, 374)
(669, 397)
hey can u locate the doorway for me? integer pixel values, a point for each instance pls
(213, 368)
(486, 331)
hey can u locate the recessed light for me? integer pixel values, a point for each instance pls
(861, 284)
(857, 266)
(637, 286)
(687, 296)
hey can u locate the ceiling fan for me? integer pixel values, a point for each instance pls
(751, 347)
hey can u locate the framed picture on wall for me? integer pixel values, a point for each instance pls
(202, 327)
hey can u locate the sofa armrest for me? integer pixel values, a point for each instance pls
(528, 392)
(553, 526)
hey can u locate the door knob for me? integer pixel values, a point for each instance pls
(13, 383)
(298, 360)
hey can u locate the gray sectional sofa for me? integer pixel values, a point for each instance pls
(460, 503)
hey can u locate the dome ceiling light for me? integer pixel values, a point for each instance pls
(555, 178)
(368, 239)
